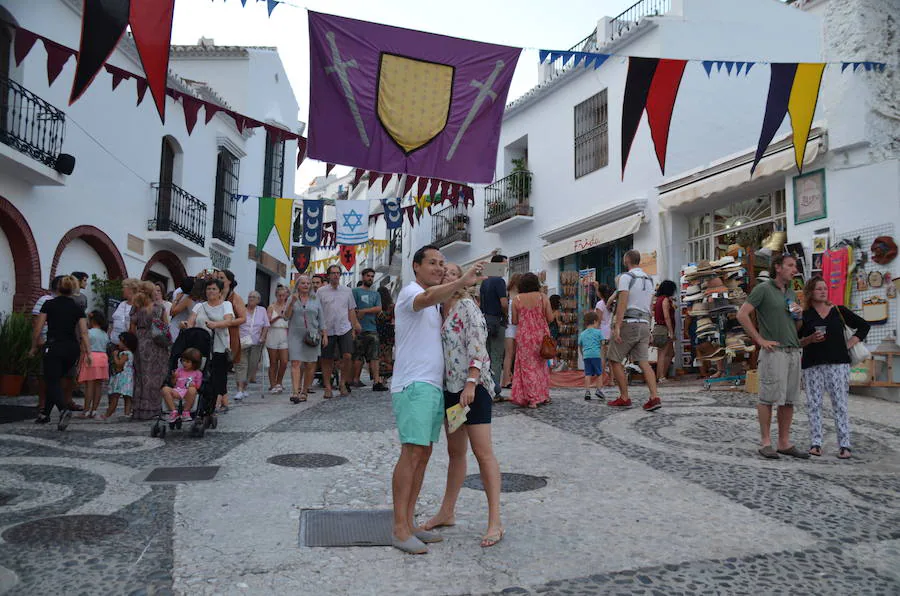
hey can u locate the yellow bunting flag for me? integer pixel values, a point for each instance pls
(802, 105)
(284, 209)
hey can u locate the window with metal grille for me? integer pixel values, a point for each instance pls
(225, 214)
(519, 264)
(591, 135)
(273, 175)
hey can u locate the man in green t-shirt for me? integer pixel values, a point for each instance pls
(366, 346)
(777, 313)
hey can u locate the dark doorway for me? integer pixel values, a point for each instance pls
(263, 286)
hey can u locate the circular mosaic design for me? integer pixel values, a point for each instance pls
(65, 528)
(307, 460)
(509, 483)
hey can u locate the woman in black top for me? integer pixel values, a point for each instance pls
(66, 328)
(826, 361)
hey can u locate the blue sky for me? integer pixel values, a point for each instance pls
(524, 23)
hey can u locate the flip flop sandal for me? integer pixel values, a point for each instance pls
(295, 399)
(794, 452)
(328, 394)
(768, 452)
(492, 539)
(844, 453)
(303, 396)
(816, 450)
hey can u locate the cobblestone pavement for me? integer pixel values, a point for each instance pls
(671, 502)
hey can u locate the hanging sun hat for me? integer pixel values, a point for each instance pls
(699, 310)
(689, 270)
(693, 293)
(727, 260)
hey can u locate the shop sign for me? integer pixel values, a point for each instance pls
(809, 197)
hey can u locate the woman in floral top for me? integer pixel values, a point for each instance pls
(468, 382)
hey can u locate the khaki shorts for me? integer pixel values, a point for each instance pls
(634, 345)
(779, 377)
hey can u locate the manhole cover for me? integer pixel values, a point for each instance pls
(345, 528)
(509, 483)
(65, 528)
(183, 474)
(307, 460)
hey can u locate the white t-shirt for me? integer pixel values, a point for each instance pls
(640, 291)
(605, 318)
(205, 313)
(419, 355)
(336, 304)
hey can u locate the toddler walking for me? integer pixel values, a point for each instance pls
(122, 382)
(589, 342)
(93, 376)
(186, 380)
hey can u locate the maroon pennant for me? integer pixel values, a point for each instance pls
(57, 56)
(24, 42)
(358, 175)
(141, 89)
(328, 168)
(251, 123)
(435, 182)
(118, 75)
(385, 180)
(276, 133)
(239, 121)
(420, 188)
(302, 144)
(210, 109)
(410, 180)
(445, 190)
(191, 106)
(454, 194)
(373, 177)
(409, 214)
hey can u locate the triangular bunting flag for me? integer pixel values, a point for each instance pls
(749, 66)
(543, 55)
(24, 42)
(408, 183)
(385, 180)
(432, 190)
(637, 87)
(599, 59)
(737, 71)
(57, 56)
(191, 107)
(420, 187)
(328, 168)
(358, 175)
(802, 106)
(707, 66)
(103, 22)
(301, 150)
(373, 177)
(728, 67)
(409, 215)
(271, 4)
(141, 89)
(118, 75)
(284, 210)
(211, 109)
(661, 103)
(266, 221)
(780, 82)
(151, 26)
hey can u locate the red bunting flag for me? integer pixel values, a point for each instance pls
(358, 176)
(24, 42)
(373, 177)
(151, 26)
(57, 56)
(141, 89)
(191, 106)
(385, 179)
(410, 180)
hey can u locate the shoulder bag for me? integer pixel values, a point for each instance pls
(159, 331)
(859, 352)
(310, 338)
(548, 344)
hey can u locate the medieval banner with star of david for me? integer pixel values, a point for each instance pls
(389, 99)
(352, 222)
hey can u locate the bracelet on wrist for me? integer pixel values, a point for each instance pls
(472, 380)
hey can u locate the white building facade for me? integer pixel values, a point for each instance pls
(561, 204)
(144, 199)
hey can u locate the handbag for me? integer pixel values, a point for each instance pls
(659, 336)
(859, 352)
(160, 333)
(548, 348)
(310, 338)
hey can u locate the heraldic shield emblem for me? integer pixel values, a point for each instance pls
(414, 98)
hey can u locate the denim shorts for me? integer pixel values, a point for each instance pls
(593, 367)
(419, 411)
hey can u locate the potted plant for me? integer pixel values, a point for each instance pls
(521, 182)
(15, 362)
(461, 220)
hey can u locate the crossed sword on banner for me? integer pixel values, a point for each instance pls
(342, 67)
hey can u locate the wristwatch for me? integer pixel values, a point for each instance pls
(472, 380)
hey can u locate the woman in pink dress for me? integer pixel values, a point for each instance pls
(531, 313)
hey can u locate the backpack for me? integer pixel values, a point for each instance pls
(631, 313)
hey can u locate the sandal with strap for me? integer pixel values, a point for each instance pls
(844, 453)
(295, 399)
(492, 539)
(816, 450)
(303, 396)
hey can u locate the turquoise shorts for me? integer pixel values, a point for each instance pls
(419, 411)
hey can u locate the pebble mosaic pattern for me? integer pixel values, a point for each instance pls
(65, 528)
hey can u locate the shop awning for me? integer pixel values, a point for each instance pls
(734, 172)
(596, 237)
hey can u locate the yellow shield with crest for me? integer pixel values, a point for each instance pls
(414, 99)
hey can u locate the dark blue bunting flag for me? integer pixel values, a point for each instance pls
(313, 211)
(393, 216)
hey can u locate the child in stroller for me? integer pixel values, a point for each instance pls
(192, 348)
(186, 381)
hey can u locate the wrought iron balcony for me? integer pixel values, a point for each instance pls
(450, 225)
(635, 13)
(225, 221)
(180, 212)
(29, 124)
(507, 198)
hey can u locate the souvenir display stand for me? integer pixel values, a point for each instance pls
(711, 295)
(568, 319)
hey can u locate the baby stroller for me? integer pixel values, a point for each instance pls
(204, 416)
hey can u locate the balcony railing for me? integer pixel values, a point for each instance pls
(507, 198)
(180, 212)
(450, 225)
(29, 124)
(633, 15)
(225, 222)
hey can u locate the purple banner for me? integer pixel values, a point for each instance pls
(396, 100)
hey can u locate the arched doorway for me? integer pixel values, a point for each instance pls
(170, 261)
(102, 245)
(24, 267)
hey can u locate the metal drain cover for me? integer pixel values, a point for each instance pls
(319, 527)
(182, 474)
(509, 483)
(307, 460)
(65, 528)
